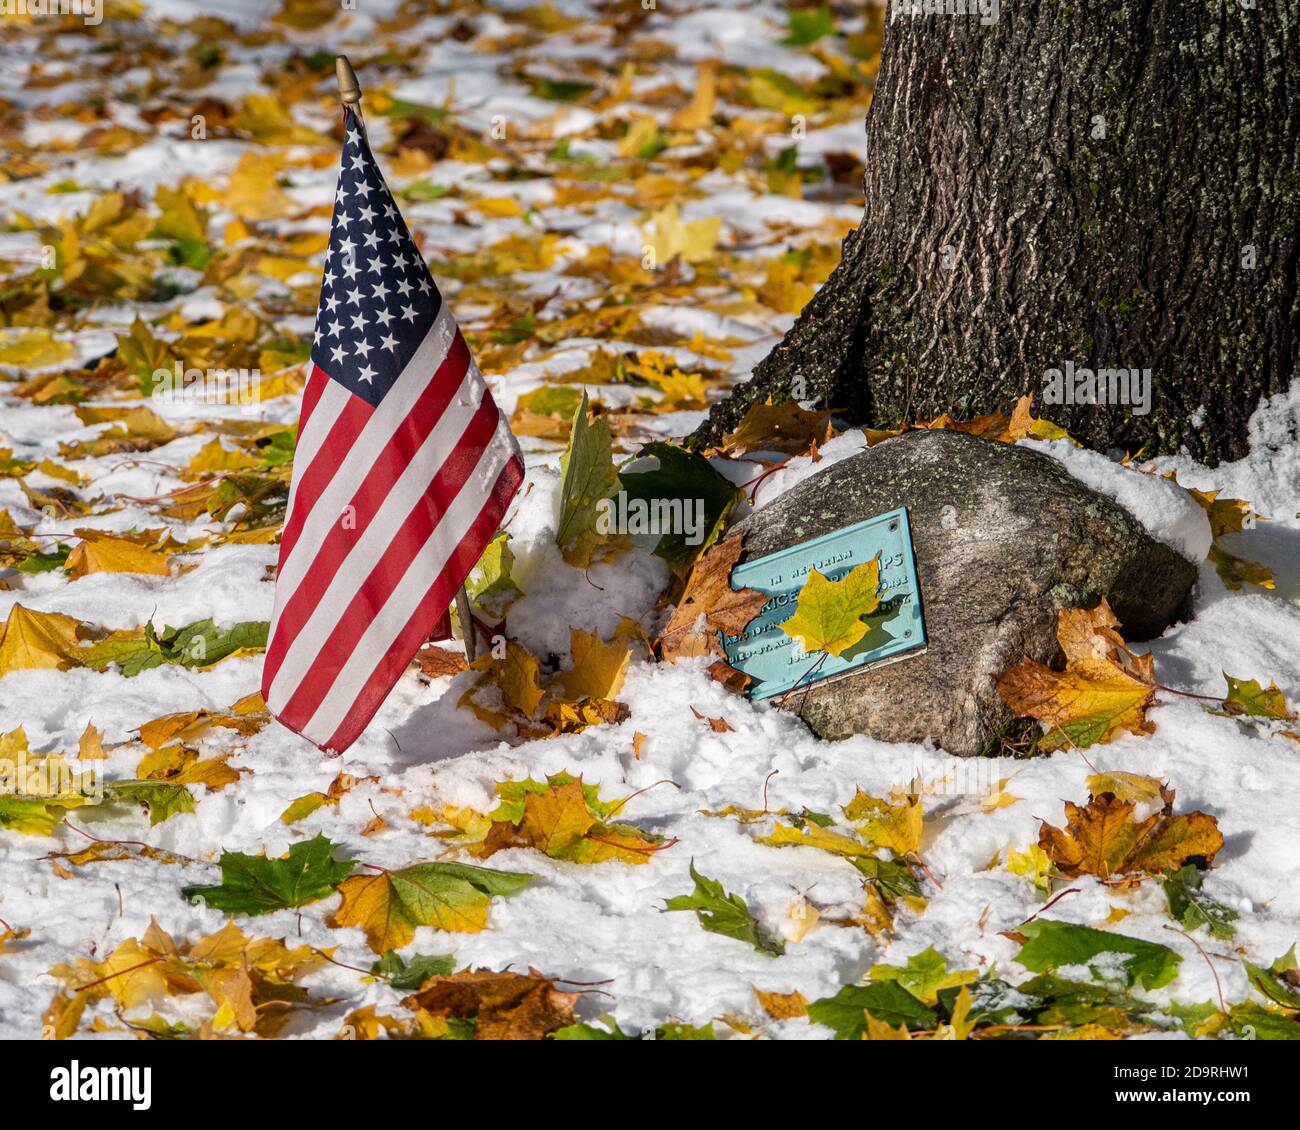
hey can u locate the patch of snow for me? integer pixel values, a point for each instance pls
(1168, 512)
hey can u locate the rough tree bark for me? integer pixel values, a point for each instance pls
(1113, 183)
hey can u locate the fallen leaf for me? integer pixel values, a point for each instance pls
(437, 662)
(33, 640)
(1103, 692)
(828, 614)
(254, 884)
(1246, 696)
(1103, 839)
(587, 476)
(886, 824)
(782, 1006)
(786, 427)
(90, 747)
(717, 725)
(598, 668)
(709, 595)
(722, 913)
(503, 1006)
(564, 819)
(390, 905)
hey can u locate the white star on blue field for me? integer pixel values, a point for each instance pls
(378, 299)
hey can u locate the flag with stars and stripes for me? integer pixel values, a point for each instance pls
(403, 470)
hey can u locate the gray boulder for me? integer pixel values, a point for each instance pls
(1004, 539)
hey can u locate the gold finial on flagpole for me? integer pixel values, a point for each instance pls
(349, 88)
(350, 95)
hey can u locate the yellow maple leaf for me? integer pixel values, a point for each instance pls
(389, 906)
(7, 936)
(33, 640)
(573, 717)
(180, 765)
(114, 555)
(1033, 864)
(213, 457)
(132, 975)
(1023, 424)
(875, 917)
(880, 822)
(267, 119)
(598, 667)
(812, 835)
(90, 747)
(516, 676)
(997, 796)
(138, 423)
(506, 206)
(642, 132)
(1091, 701)
(231, 991)
(560, 823)
(1103, 692)
(828, 616)
(14, 743)
(695, 240)
(1229, 516)
(33, 348)
(253, 190)
(62, 1017)
(801, 916)
(1126, 786)
(882, 1030)
(962, 1024)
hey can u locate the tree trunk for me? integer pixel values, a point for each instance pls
(1076, 186)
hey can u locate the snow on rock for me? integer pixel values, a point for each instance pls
(1168, 512)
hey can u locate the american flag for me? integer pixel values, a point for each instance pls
(403, 470)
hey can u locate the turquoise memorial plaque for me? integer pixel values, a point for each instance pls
(778, 663)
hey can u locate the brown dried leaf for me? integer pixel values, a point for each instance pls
(1103, 839)
(709, 595)
(505, 1006)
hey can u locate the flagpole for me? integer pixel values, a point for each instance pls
(350, 96)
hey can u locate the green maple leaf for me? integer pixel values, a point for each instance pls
(1052, 944)
(680, 477)
(163, 799)
(1191, 907)
(254, 884)
(1246, 696)
(491, 584)
(924, 975)
(1280, 982)
(408, 976)
(887, 1001)
(1049, 999)
(723, 913)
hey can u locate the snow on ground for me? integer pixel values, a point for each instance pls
(605, 923)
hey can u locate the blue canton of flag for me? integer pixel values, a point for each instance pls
(378, 299)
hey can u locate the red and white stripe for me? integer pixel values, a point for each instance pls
(389, 509)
